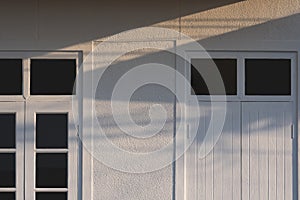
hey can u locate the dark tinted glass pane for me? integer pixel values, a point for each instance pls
(7, 196)
(8, 131)
(51, 170)
(7, 170)
(51, 130)
(11, 77)
(227, 69)
(52, 76)
(268, 76)
(51, 196)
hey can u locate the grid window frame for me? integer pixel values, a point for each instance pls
(72, 151)
(241, 91)
(20, 105)
(26, 58)
(16, 108)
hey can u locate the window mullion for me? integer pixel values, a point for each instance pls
(26, 78)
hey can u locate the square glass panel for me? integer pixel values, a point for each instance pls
(52, 131)
(228, 72)
(8, 131)
(52, 76)
(7, 170)
(11, 77)
(7, 196)
(51, 170)
(51, 196)
(268, 77)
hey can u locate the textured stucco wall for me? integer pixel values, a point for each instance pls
(123, 185)
(74, 25)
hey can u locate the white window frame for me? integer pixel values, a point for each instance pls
(16, 108)
(270, 55)
(62, 103)
(26, 57)
(241, 56)
(33, 108)
(224, 55)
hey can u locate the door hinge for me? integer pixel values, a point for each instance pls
(292, 131)
(188, 131)
(77, 131)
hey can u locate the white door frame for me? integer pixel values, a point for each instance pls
(181, 184)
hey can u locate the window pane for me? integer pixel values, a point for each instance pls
(8, 131)
(268, 76)
(227, 69)
(7, 170)
(11, 76)
(52, 76)
(51, 196)
(7, 196)
(51, 170)
(51, 131)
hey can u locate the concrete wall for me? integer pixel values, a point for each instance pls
(78, 25)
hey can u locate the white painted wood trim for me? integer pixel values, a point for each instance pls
(39, 54)
(18, 109)
(180, 137)
(272, 55)
(51, 190)
(33, 107)
(26, 56)
(241, 56)
(87, 158)
(26, 78)
(229, 55)
(9, 190)
(8, 150)
(287, 50)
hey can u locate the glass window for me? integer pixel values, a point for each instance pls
(8, 129)
(51, 196)
(52, 131)
(268, 76)
(52, 76)
(7, 170)
(51, 170)
(7, 196)
(227, 69)
(11, 77)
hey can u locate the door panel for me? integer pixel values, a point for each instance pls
(50, 166)
(266, 150)
(217, 175)
(12, 150)
(252, 159)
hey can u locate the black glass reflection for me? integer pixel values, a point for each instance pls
(228, 72)
(7, 170)
(51, 196)
(52, 76)
(8, 131)
(268, 76)
(52, 131)
(7, 196)
(11, 77)
(51, 170)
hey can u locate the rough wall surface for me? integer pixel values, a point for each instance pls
(123, 185)
(74, 25)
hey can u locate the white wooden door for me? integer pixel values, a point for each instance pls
(252, 158)
(267, 150)
(12, 150)
(217, 175)
(61, 150)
